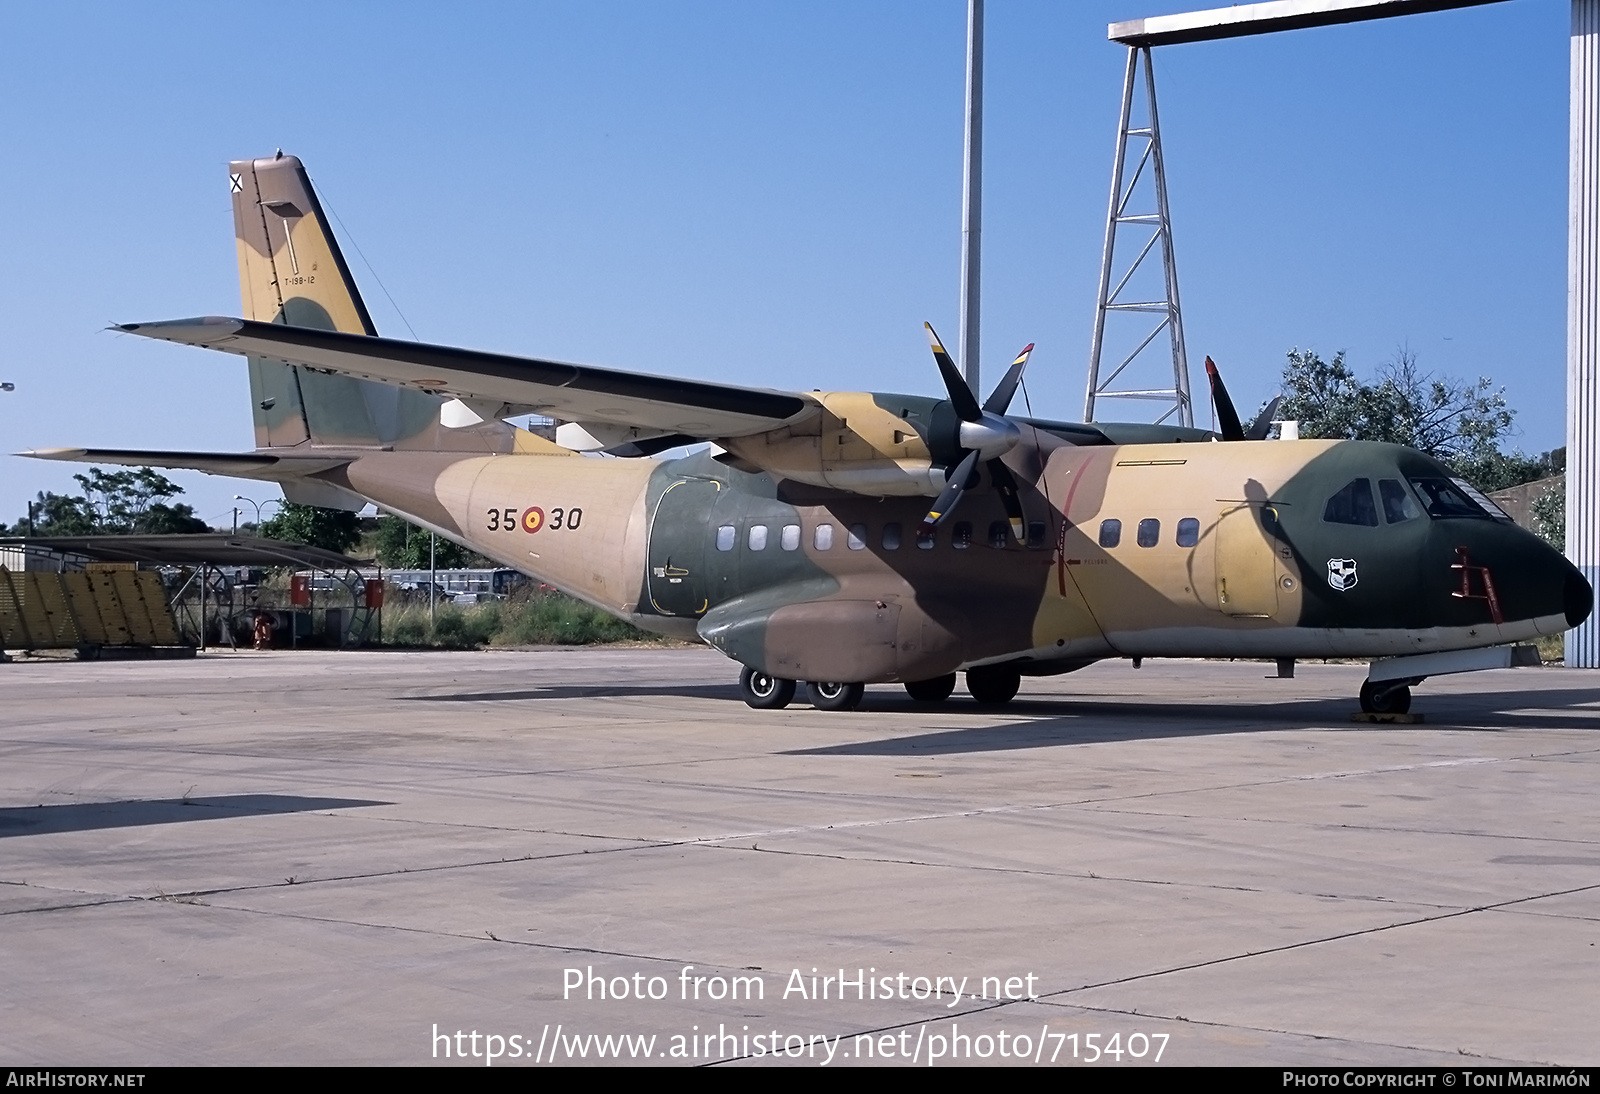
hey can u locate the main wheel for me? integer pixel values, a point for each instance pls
(831, 696)
(765, 692)
(936, 690)
(1385, 698)
(993, 685)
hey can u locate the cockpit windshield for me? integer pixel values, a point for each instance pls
(1444, 498)
(1398, 505)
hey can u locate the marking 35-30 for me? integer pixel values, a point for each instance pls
(534, 519)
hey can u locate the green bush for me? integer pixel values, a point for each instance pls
(539, 619)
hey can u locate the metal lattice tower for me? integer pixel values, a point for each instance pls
(1108, 301)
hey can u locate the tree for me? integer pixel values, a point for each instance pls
(114, 503)
(331, 529)
(401, 545)
(1459, 423)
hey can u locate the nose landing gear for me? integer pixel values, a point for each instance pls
(1388, 697)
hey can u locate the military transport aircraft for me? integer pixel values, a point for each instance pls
(803, 543)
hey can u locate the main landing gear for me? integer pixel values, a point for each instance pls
(831, 696)
(765, 692)
(936, 690)
(990, 685)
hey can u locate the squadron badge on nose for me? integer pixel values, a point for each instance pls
(1342, 573)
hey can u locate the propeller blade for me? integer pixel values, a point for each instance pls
(961, 397)
(955, 484)
(1000, 397)
(1227, 417)
(1006, 486)
(1263, 423)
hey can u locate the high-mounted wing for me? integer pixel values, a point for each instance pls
(499, 385)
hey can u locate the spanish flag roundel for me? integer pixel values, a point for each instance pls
(533, 519)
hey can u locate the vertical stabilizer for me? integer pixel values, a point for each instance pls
(291, 272)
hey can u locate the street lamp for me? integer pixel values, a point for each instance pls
(258, 504)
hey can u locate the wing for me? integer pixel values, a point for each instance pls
(503, 385)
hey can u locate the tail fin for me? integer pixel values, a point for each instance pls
(291, 272)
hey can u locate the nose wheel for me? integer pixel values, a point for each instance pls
(765, 692)
(1390, 697)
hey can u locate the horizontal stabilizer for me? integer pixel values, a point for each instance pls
(239, 465)
(521, 385)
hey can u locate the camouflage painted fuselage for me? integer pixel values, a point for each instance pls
(1224, 550)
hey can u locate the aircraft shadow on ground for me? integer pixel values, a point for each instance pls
(42, 819)
(584, 691)
(1055, 722)
(1068, 722)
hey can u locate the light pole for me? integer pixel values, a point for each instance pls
(257, 504)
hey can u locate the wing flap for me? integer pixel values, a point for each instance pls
(522, 384)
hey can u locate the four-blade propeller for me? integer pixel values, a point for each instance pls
(985, 433)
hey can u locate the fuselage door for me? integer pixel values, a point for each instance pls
(679, 531)
(1247, 565)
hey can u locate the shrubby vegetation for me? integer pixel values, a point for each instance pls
(1459, 423)
(539, 618)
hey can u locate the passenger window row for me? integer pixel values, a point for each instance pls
(857, 535)
(1148, 533)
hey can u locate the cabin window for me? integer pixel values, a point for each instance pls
(891, 536)
(961, 536)
(757, 540)
(1149, 532)
(1352, 505)
(725, 537)
(926, 537)
(1188, 532)
(1110, 533)
(999, 534)
(1038, 534)
(1398, 506)
(857, 540)
(822, 538)
(790, 539)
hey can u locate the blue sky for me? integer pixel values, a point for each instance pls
(765, 194)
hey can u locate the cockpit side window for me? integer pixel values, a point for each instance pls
(1352, 505)
(1443, 499)
(1397, 504)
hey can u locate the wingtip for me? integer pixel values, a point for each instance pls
(53, 453)
(200, 330)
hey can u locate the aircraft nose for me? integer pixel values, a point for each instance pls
(1579, 597)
